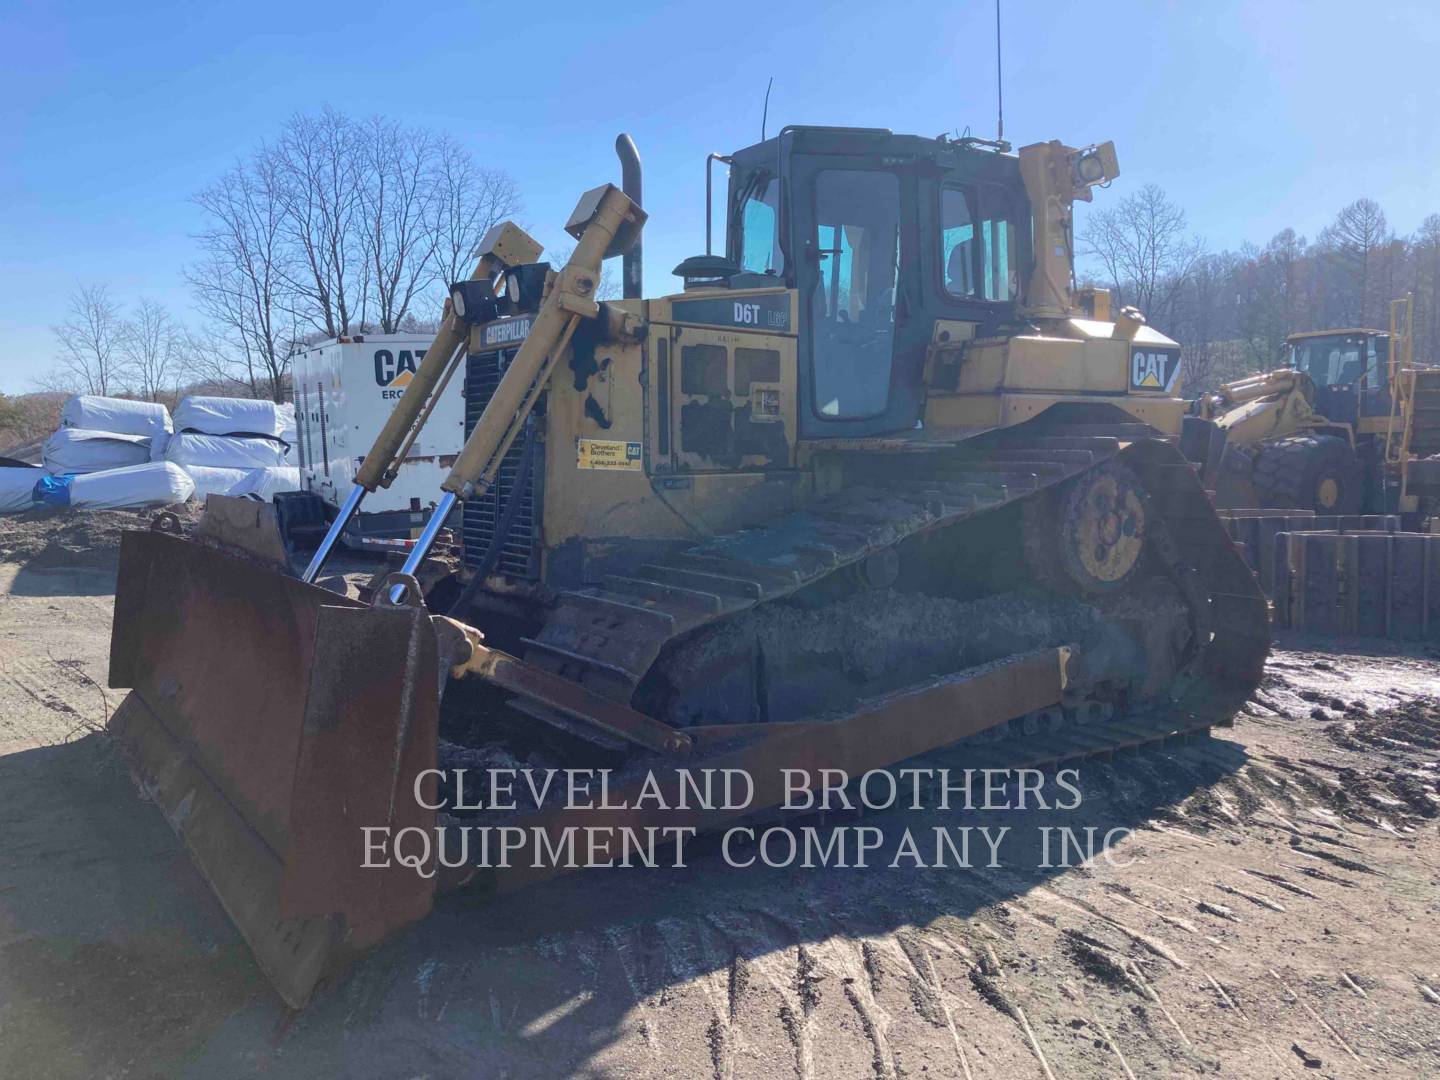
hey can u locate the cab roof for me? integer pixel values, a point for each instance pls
(1335, 333)
(946, 153)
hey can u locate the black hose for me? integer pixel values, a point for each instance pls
(504, 523)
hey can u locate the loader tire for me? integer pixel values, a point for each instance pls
(1310, 472)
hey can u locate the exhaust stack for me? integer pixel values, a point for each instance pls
(632, 183)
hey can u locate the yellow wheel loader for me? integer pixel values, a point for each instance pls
(868, 484)
(1343, 428)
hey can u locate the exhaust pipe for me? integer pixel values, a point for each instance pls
(633, 185)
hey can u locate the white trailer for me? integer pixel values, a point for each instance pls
(345, 389)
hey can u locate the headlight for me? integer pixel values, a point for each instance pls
(1090, 169)
(1093, 165)
(473, 301)
(523, 287)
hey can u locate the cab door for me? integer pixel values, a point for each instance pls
(861, 352)
(1375, 386)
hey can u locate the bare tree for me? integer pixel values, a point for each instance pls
(339, 228)
(1425, 248)
(1270, 288)
(398, 170)
(240, 283)
(1142, 244)
(468, 201)
(91, 359)
(155, 349)
(1357, 244)
(318, 189)
(1202, 320)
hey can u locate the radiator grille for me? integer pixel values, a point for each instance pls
(520, 557)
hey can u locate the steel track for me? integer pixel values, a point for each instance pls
(607, 637)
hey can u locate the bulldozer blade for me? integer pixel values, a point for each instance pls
(246, 528)
(272, 721)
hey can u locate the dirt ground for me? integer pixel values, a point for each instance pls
(1273, 912)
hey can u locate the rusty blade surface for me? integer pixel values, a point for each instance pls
(220, 649)
(241, 869)
(263, 780)
(371, 727)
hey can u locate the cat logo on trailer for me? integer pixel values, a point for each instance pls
(394, 370)
(1154, 369)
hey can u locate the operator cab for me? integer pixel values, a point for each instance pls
(1349, 369)
(887, 238)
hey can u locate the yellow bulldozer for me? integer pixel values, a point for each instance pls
(867, 484)
(1344, 427)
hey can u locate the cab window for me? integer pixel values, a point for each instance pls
(1377, 359)
(957, 242)
(977, 246)
(1331, 361)
(760, 230)
(998, 277)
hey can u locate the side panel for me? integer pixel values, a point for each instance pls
(724, 386)
(673, 439)
(1001, 383)
(732, 400)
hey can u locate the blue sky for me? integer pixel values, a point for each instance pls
(1252, 116)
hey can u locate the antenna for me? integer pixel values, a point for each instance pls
(999, 82)
(765, 115)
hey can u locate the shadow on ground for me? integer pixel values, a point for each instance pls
(31, 580)
(115, 958)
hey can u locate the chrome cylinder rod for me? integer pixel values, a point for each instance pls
(317, 561)
(425, 541)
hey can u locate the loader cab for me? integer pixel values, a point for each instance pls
(886, 238)
(1350, 370)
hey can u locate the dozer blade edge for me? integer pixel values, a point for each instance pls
(271, 720)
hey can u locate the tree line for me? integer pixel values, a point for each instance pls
(336, 227)
(1232, 310)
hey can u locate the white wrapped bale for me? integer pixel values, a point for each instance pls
(224, 451)
(263, 483)
(152, 484)
(231, 416)
(17, 488)
(90, 412)
(79, 450)
(212, 481)
(288, 431)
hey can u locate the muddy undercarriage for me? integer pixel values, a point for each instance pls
(899, 582)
